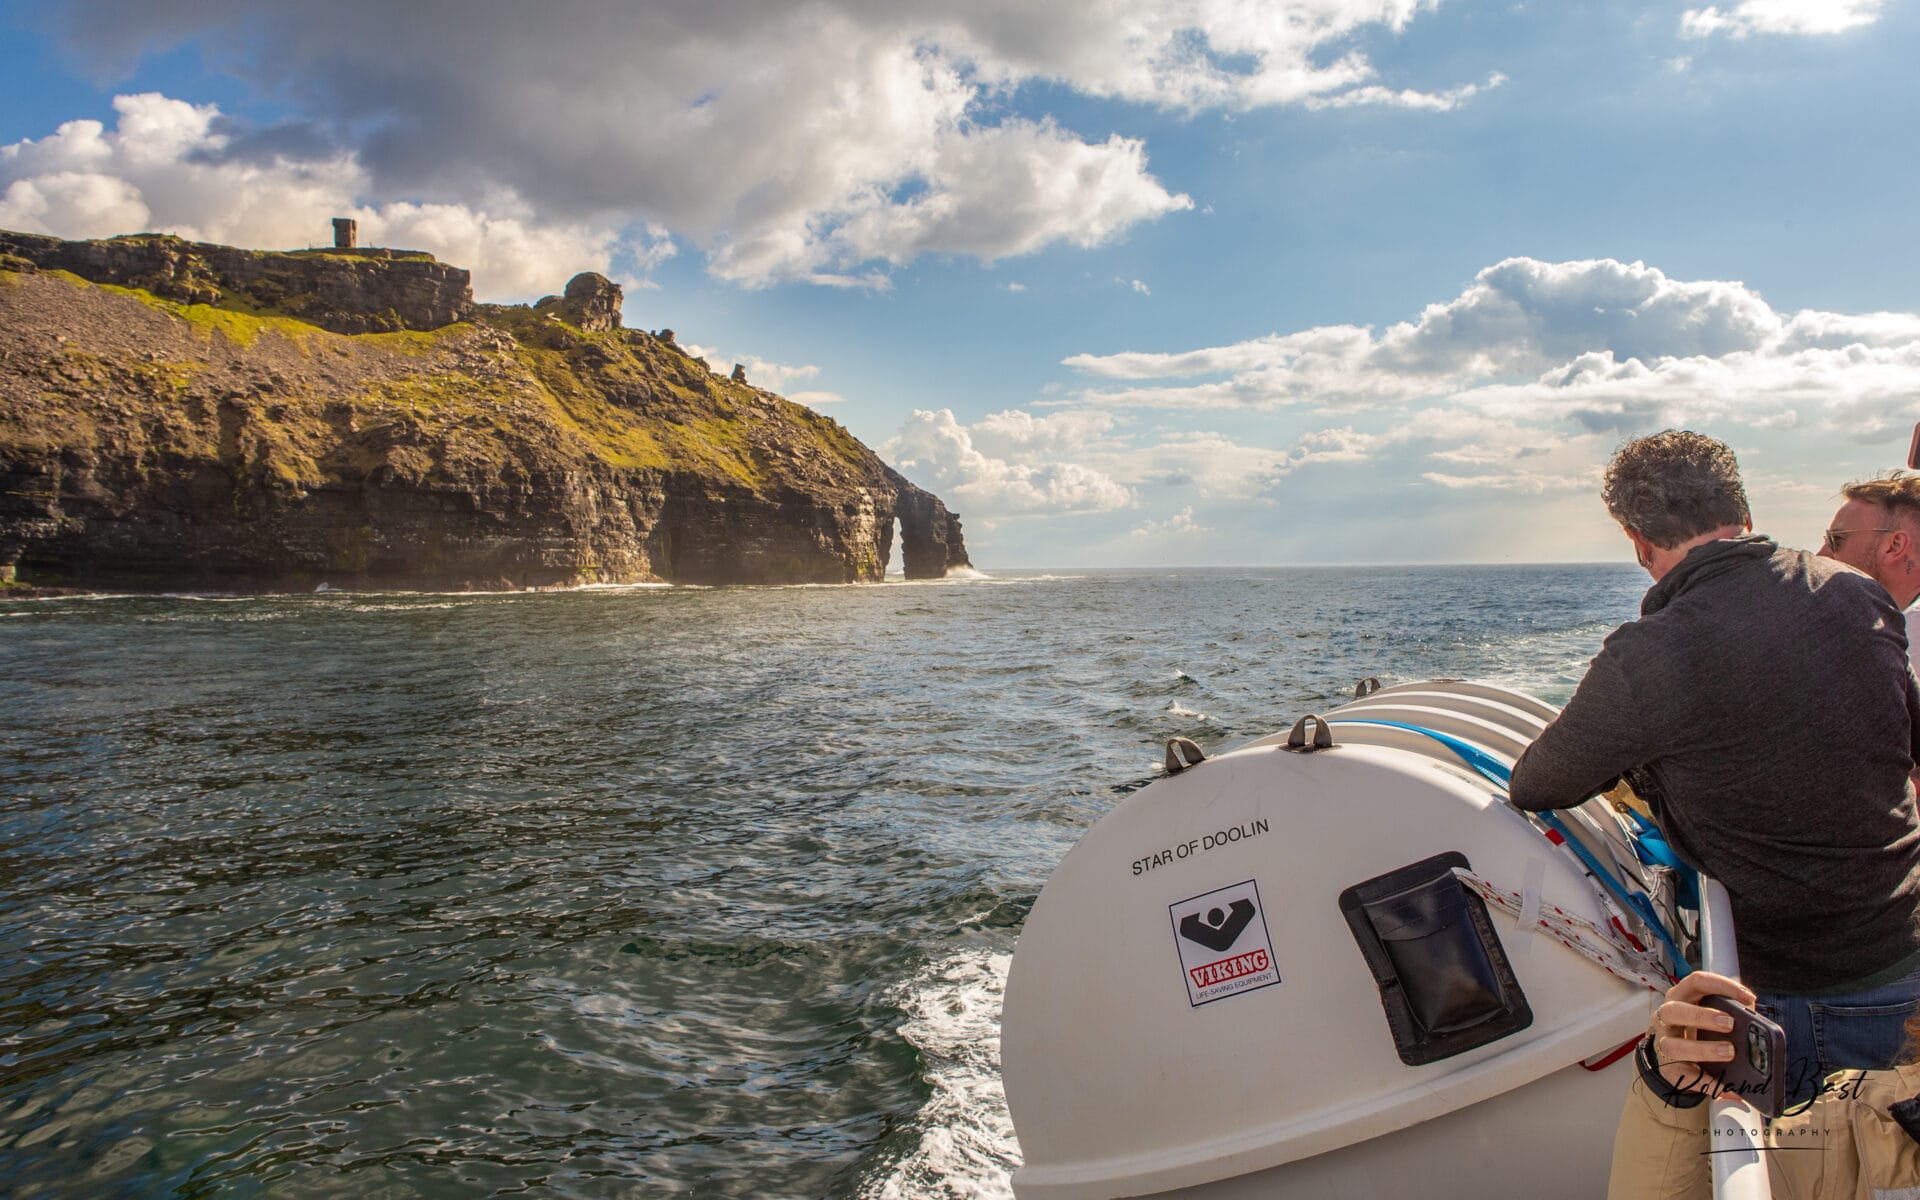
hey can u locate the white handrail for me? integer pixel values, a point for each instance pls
(1735, 1132)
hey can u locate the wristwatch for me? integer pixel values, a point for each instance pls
(1649, 1065)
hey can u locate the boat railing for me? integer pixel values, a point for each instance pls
(1736, 1138)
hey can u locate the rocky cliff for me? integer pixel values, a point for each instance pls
(182, 416)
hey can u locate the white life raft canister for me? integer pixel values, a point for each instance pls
(1262, 976)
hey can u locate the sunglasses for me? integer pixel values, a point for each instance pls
(1836, 536)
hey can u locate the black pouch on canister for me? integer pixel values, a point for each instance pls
(1444, 978)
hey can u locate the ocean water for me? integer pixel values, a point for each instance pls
(613, 892)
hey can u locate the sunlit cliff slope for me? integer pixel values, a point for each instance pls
(183, 416)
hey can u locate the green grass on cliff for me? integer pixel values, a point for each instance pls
(238, 323)
(414, 341)
(440, 404)
(667, 423)
(238, 326)
(646, 406)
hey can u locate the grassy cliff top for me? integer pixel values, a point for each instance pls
(94, 368)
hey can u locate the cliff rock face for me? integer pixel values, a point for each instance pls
(346, 291)
(150, 439)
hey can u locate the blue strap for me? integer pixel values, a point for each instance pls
(1651, 847)
(1502, 776)
(1474, 756)
(1635, 900)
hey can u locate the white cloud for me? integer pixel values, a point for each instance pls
(1532, 482)
(1866, 393)
(761, 373)
(1331, 340)
(1532, 355)
(1206, 464)
(1445, 101)
(1141, 287)
(1780, 16)
(773, 376)
(939, 453)
(1180, 525)
(822, 143)
(1187, 55)
(1332, 445)
(510, 257)
(1607, 344)
(161, 169)
(78, 200)
(1014, 432)
(991, 193)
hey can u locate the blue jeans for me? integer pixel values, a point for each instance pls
(1862, 1031)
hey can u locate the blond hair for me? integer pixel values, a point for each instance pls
(1897, 493)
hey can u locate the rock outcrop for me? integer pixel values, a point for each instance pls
(930, 535)
(591, 302)
(346, 291)
(150, 439)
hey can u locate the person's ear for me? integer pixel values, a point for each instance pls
(1643, 549)
(1900, 549)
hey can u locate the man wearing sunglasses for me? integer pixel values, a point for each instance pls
(1763, 707)
(1877, 531)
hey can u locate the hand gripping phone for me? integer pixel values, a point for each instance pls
(1757, 1072)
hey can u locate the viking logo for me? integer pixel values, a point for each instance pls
(1224, 945)
(1218, 930)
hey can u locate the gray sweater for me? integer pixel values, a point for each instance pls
(1764, 707)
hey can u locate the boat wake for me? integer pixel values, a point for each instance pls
(965, 1147)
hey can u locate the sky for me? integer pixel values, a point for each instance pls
(1127, 283)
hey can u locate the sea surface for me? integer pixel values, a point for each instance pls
(613, 892)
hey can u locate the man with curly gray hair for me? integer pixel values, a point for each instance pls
(1763, 708)
(1675, 488)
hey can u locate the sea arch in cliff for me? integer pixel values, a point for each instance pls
(930, 542)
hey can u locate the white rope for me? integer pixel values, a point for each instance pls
(1598, 944)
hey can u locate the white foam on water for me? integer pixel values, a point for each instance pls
(613, 587)
(1177, 709)
(966, 573)
(967, 1150)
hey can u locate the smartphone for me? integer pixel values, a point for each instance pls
(1757, 1072)
(1913, 449)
